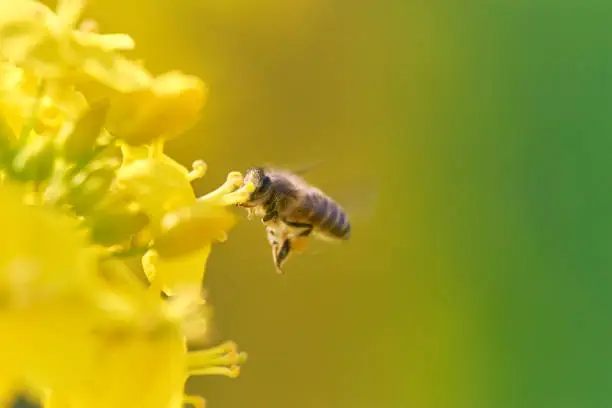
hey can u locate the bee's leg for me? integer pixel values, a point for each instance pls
(269, 217)
(303, 229)
(274, 243)
(307, 231)
(271, 234)
(250, 213)
(281, 255)
(275, 258)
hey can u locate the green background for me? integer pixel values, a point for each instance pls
(480, 276)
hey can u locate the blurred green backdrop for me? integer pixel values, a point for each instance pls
(482, 276)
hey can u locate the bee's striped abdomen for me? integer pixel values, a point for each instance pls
(326, 215)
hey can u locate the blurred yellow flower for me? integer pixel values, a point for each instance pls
(20, 94)
(181, 248)
(34, 37)
(65, 330)
(86, 331)
(157, 183)
(80, 329)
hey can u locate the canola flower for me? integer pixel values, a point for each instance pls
(84, 185)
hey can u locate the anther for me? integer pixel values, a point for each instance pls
(233, 181)
(199, 169)
(89, 26)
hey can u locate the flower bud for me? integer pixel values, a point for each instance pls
(7, 141)
(89, 188)
(34, 161)
(169, 107)
(109, 228)
(80, 142)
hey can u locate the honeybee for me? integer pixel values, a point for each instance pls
(292, 211)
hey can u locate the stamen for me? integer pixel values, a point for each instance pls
(222, 236)
(233, 181)
(89, 25)
(239, 196)
(110, 41)
(231, 372)
(221, 360)
(132, 153)
(195, 400)
(203, 357)
(199, 169)
(156, 150)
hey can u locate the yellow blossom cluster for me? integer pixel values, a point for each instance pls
(85, 186)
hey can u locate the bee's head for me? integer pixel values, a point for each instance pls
(262, 183)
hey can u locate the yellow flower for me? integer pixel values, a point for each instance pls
(15, 100)
(80, 329)
(157, 183)
(87, 332)
(20, 95)
(34, 233)
(126, 367)
(183, 228)
(181, 249)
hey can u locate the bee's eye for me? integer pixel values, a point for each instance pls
(265, 184)
(261, 187)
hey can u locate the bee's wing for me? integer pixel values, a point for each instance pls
(358, 196)
(361, 201)
(301, 170)
(307, 168)
(356, 191)
(354, 187)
